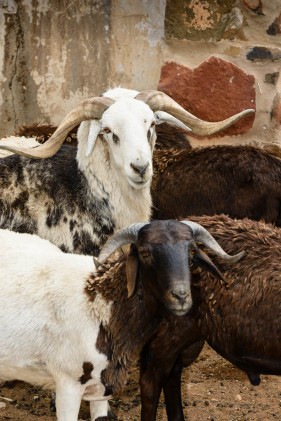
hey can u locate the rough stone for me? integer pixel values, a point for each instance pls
(213, 91)
(275, 27)
(276, 110)
(254, 5)
(234, 25)
(259, 54)
(201, 20)
(272, 78)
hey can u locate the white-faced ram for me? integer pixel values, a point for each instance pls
(77, 330)
(77, 199)
(240, 319)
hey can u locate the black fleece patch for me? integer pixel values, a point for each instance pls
(87, 370)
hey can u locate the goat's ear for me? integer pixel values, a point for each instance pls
(163, 117)
(95, 128)
(202, 260)
(132, 266)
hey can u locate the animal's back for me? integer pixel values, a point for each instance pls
(42, 299)
(51, 197)
(243, 182)
(244, 317)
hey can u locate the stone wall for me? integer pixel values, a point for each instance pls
(214, 57)
(221, 57)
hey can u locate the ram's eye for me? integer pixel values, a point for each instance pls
(106, 130)
(152, 124)
(115, 139)
(144, 254)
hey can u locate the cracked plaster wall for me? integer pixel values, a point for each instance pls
(55, 53)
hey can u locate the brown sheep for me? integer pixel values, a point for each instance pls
(240, 181)
(240, 320)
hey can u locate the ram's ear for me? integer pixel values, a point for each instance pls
(163, 117)
(202, 260)
(95, 128)
(132, 267)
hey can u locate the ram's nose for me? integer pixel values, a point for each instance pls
(180, 295)
(179, 300)
(140, 168)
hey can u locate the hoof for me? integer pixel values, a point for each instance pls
(254, 379)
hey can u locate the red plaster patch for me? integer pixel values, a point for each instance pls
(213, 91)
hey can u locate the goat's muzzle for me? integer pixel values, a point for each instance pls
(178, 300)
(140, 169)
(141, 175)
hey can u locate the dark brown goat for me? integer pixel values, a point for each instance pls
(240, 320)
(240, 181)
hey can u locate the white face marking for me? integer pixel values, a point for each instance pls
(125, 126)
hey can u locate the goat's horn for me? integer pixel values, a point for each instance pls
(120, 238)
(160, 101)
(202, 235)
(90, 109)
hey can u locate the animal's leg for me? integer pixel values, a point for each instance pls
(159, 357)
(68, 399)
(172, 393)
(150, 387)
(99, 410)
(153, 374)
(172, 386)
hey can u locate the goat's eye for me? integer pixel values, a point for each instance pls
(106, 130)
(144, 254)
(152, 124)
(115, 138)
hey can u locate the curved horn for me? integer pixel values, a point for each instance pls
(119, 239)
(90, 109)
(202, 235)
(160, 101)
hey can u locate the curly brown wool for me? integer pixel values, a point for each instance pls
(241, 322)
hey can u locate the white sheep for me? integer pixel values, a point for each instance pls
(65, 326)
(78, 199)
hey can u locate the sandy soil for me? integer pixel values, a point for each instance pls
(213, 390)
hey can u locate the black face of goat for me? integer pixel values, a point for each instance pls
(161, 259)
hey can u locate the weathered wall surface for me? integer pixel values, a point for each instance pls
(49, 51)
(55, 53)
(229, 55)
(216, 58)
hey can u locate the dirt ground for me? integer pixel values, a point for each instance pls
(213, 390)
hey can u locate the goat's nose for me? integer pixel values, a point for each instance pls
(180, 295)
(140, 168)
